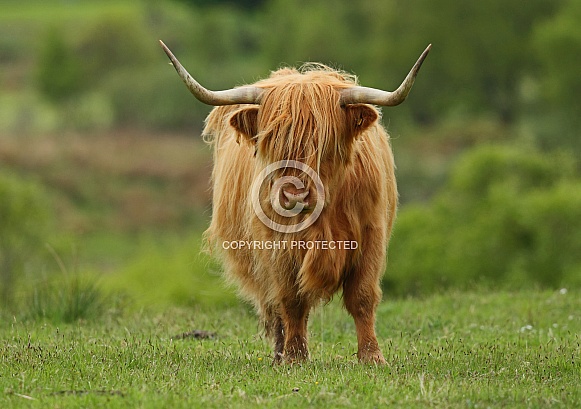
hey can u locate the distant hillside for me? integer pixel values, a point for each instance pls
(120, 182)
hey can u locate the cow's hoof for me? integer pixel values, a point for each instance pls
(295, 358)
(369, 357)
(278, 358)
(292, 361)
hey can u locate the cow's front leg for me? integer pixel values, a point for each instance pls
(361, 301)
(295, 315)
(361, 295)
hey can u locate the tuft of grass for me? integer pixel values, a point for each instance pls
(65, 297)
(64, 300)
(468, 350)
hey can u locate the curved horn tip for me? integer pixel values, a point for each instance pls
(423, 57)
(163, 45)
(427, 50)
(366, 95)
(242, 95)
(167, 50)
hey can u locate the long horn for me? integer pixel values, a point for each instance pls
(365, 95)
(242, 95)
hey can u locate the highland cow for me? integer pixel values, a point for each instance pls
(283, 259)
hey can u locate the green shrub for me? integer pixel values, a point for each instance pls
(155, 98)
(114, 42)
(507, 216)
(59, 73)
(551, 220)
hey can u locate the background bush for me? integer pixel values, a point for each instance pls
(507, 215)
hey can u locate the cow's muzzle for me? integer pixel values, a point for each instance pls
(293, 197)
(290, 197)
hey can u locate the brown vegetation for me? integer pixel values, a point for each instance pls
(119, 181)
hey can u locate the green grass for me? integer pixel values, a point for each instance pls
(170, 272)
(455, 350)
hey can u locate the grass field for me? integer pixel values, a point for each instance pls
(495, 349)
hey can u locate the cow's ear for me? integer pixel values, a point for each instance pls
(359, 118)
(245, 121)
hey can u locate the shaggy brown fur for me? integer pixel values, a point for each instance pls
(300, 118)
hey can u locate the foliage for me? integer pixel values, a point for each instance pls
(555, 114)
(481, 53)
(115, 59)
(75, 74)
(507, 215)
(24, 225)
(461, 350)
(529, 53)
(151, 99)
(111, 44)
(59, 73)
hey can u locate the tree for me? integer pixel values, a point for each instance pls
(556, 112)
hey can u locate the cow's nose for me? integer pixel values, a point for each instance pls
(293, 196)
